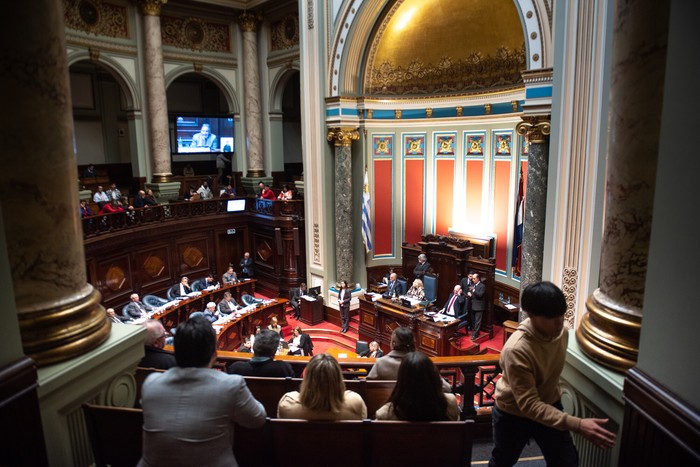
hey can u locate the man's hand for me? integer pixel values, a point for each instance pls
(592, 429)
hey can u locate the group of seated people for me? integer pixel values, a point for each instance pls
(112, 201)
(179, 430)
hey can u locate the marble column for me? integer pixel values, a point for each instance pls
(59, 313)
(344, 225)
(609, 331)
(253, 108)
(537, 129)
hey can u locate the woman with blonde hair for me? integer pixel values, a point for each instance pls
(322, 395)
(417, 290)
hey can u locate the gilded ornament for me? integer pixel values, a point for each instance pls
(249, 21)
(151, 7)
(487, 109)
(428, 113)
(343, 136)
(397, 114)
(96, 17)
(195, 34)
(285, 33)
(460, 110)
(535, 127)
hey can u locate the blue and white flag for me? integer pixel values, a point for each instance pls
(366, 216)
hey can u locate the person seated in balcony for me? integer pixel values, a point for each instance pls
(142, 200)
(192, 195)
(90, 172)
(373, 351)
(100, 197)
(85, 211)
(286, 194)
(300, 343)
(263, 363)
(111, 207)
(267, 193)
(417, 290)
(204, 191)
(418, 395)
(155, 356)
(150, 198)
(274, 326)
(322, 395)
(229, 276)
(188, 171)
(227, 192)
(228, 304)
(113, 192)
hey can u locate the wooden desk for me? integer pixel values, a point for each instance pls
(311, 312)
(379, 319)
(377, 287)
(231, 334)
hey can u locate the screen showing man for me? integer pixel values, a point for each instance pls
(205, 138)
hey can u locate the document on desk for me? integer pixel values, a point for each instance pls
(444, 318)
(308, 298)
(511, 307)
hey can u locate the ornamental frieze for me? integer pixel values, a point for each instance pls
(195, 34)
(96, 17)
(285, 33)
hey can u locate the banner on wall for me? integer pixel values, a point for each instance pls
(518, 230)
(366, 216)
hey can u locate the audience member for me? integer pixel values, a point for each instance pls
(417, 290)
(111, 207)
(221, 161)
(188, 171)
(227, 192)
(246, 265)
(100, 197)
(295, 295)
(274, 326)
(387, 367)
(90, 172)
(418, 394)
(210, 313)
(528, 395)
(394, 288)
(184, 288)
(263, 362)
(286, 194)
(192, 195)
(136, 309)
(344, 298)
(150, 198)
(113, 316)
(189, 411)
(229, 276)
(142, 201)
(261, 187)
(267, 193)
(422, 267)
(113, 193)
(228, 304)
(85, 211)
(204, 191)
(373, 351)
(322, 395)
(155, 356)
(300, 343)
(205, 139)
(124, 203)
(478, 303)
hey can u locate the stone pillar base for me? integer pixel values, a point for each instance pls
(164, 191)
(85, 195)
(250, 184)
(609, 334)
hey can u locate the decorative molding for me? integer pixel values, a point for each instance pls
(199, 58)
(96, 17)
(151, 7)
(569, 287)
(310, 13)
(317, 243)
(249, 21)
(195, 34)
(536, 128)
(343, 136)
(285, 33)
(80, 41)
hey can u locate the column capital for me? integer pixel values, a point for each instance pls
(536, 127)
(343, 136)
(151, 7)
(249, 21)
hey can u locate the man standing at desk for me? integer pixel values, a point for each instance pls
(295, 298)
(394, 287)
(246, 266)
(422, 267)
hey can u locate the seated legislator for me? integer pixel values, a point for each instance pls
(211, 314)
(373, 351)
(210, 282)
(113, 316)
(137, 309)
(190, 410)
(300, 343)
(322, 395)
(155, 356)
(394, 288)
(456, 304)
(230, 276)
(274, 326)
(295, 298)
(418, 395)
(184, 288)
(417, 290)
(228, 304)
(263, 363)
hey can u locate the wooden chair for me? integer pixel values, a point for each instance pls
(140, 377)
(431, 443)
(374, 393)
(269, 391)
(300, 443)
(115, 434)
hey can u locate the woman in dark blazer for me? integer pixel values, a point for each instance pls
(344, 297)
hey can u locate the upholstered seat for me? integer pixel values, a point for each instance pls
(199, 285)
(250, 300)
(125, 314)
(430, 285)
(173, 292)
(361, 346)
(154, 301)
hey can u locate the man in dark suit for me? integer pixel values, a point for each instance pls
(228, 304)
(478, 303)
(155, 356)
(263, 362)
(394, 287)
(300, 343)
(467, 284)
(422, 267)
(295, 297)
(136, 309)
(246, 265)
(455, 305)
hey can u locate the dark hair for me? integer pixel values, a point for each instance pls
(344, 282)
(543, 299)
(266, 343)
(418, 396)
(195, 343)
(402, 340)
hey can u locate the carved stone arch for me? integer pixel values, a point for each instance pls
(212, 75)
(278, 86)
(120, 74)
(358, 19)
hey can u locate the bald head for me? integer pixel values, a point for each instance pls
(155, 333)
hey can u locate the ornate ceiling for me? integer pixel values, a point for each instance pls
(444, 47)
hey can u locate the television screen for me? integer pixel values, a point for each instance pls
(195, 138)
(235, 205)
